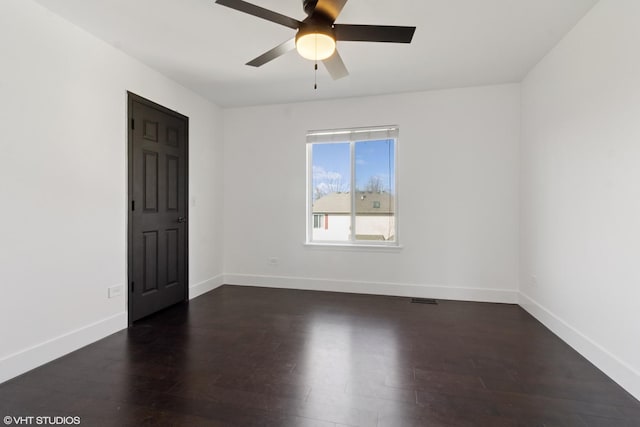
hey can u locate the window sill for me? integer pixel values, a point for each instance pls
(353, 247)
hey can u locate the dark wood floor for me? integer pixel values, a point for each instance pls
(270, 357)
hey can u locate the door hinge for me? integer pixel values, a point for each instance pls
(133, 124)
(133, 286)
(133, 205)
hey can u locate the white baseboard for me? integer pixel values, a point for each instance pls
(25, 360)
(360, 287)
(619, 371)
(205, 286)
(37, 355)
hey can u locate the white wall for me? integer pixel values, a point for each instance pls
(580, 241)
(63, 184)
(458, 196)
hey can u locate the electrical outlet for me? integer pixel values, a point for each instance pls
(273, 261)
(533, 281)
(115, 291)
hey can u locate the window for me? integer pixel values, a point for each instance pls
(351, 179)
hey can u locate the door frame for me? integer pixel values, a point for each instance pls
(131, 97)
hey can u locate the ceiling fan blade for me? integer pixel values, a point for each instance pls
(374, 33)
(273, 53)
(330, 8)
(335, 66)
(261, 12)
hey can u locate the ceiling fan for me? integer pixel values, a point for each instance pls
(317, 34)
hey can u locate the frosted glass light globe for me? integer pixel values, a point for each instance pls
(315, 46)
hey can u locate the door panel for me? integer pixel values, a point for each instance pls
(150, 184)
(173, 253)
(150, 262)
(172, 183)
(158, 148)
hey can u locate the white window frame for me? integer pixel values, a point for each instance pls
(351, 136)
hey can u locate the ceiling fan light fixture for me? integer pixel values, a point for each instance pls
(315, 45)
(317, 34)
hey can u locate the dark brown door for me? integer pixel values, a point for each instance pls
(158, 207)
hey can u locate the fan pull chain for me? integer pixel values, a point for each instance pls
(315, 69)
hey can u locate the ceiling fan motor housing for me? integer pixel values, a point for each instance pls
(316, 25)
(309, 6)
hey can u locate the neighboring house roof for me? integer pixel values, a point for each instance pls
(367, 202)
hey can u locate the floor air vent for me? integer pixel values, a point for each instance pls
(423, 301)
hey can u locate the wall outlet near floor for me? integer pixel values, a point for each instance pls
(115, 291)
(533, 281)
(273, 261)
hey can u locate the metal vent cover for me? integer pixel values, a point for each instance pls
(424, 301)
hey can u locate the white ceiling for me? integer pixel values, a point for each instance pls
(204, 46)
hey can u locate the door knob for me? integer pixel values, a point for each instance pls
(182, 219)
